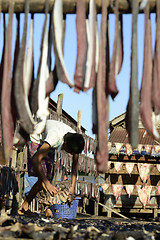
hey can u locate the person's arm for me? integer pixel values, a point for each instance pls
(36, 161)
(74, 173)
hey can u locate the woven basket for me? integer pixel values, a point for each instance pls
(64, 210)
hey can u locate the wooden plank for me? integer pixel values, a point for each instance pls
(134, 158)
(123, 170)
(37, 6)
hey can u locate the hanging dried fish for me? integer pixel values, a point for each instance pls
(23, 109)
(118, 166)
(42, 76)
(16, 51)
(90, 74)
(148, 149)
(2, 60)
(118, 147)
(129, 189)
(81, 46)
(117, 190)
(144, 171)
(144, 194)
(94, 110)
(53, 78)
(146, 105)
(6, 110)
(129, 167)
(132, 114)
(102, 97)
(117, 56)
(28, 70)
(156, 64)
(57, 23)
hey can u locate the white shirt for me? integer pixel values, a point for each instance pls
(53, 134)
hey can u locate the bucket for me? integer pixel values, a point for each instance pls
(64, 210)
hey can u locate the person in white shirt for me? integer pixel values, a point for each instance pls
(57, 135)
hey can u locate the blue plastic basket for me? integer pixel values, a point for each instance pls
(64, 210)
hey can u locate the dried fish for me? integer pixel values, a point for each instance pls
(144, 194)
(146, 105)
(57, 23)
(118, 166)
(43, 74)
(144, 170)
(129, 189)
(129, 167)
(102, 96)
(28, 70)
(117, 190)
(156, 64)
(90, 74)
(7, 123)
(81, 25)
(24, 115)
(117, 56)
(2, 60)
(132, 114)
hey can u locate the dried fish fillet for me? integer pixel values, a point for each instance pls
(57, 22)
(7, 123)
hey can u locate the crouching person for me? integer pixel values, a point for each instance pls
(60, 136)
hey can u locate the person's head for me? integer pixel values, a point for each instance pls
(73, 143)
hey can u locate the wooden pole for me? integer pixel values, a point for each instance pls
(37, 6)
(79, 120)
(59, 104)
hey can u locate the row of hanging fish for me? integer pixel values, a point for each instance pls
(85, 163)
(24, 103)
(143, 169)
(142, 149)
(144, 192)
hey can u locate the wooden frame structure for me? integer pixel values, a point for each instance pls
(119, 176)
(37, 6)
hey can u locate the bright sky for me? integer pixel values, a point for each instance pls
(72, 102)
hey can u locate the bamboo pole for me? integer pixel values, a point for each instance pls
(112, 210)
(37, 6)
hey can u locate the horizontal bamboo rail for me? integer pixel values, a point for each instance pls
(37, 6)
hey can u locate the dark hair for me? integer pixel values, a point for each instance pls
(74, 141)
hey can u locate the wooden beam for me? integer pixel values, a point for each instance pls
(37, 6)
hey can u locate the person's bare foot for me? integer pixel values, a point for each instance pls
(48, 213)
(22, 211)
